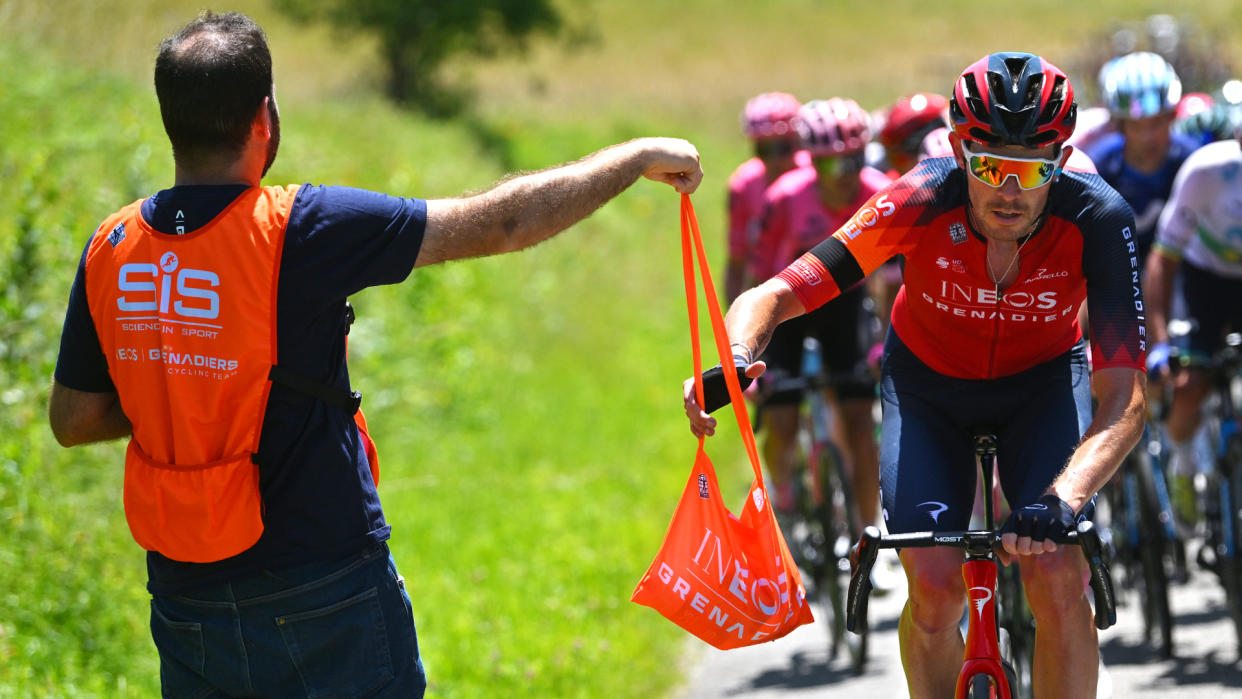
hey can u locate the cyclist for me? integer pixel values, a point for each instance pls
(1217, 122)
(802, 207)
(1200, 236)
(1139, 160)
(908, 122)
(770, 121)
(1001, 248)
(207, 324)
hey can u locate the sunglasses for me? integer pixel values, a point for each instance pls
(838, 165)
(766, 150)
(993, 170)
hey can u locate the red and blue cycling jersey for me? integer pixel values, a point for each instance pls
(948, 311)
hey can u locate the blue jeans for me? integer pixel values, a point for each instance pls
(339, 629)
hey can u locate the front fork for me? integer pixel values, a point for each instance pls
(982, 633)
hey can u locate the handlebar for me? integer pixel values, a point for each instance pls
(978, 542)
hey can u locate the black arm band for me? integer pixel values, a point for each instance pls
(839, 263)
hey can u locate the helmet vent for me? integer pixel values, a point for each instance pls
(1015, 66)
(973, 100)
(1033, 88)
(984, 136)
(1055, 100)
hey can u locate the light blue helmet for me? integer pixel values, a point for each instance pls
(1139, 85)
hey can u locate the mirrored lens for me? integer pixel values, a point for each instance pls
(993, 170)
(838, 165)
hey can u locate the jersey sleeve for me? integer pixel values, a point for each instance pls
(341, 240)
(1114, 295)
(886, 226)
(1178, 220)
(81, 364)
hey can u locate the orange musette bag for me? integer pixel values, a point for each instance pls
(728, 579)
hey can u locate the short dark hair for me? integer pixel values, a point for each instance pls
(210, 78)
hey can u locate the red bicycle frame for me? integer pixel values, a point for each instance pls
(983, 654)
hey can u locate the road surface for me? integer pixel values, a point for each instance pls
(1204, 667)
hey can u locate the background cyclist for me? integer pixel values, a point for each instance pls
(1200, 236)
(770, 121)
(1141, 91)
(907, 123)
(984, 333)
(804, 206)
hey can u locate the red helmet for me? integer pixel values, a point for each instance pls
(771, 114)
(1013, 99)
(910, 119)
(1193, 103)
(834, 127)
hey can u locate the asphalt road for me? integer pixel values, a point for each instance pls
(1205, 664)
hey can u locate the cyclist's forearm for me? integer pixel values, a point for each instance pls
(1114, 430)
(755, 313)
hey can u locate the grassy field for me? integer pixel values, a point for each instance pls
(526, 407)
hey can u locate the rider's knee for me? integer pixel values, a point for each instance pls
(1055, 583)
(937, 593)
(781, 421)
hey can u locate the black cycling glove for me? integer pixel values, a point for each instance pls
(715, 390)
(1049, 517)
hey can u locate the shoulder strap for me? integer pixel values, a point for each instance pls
(346, 400)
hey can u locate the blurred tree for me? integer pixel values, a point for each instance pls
(416, 36)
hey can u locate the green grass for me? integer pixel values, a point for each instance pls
(527, 407)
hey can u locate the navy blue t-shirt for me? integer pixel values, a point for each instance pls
(314, 477)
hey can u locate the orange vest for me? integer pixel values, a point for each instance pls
(188, 325)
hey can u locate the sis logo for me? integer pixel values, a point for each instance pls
(168, 288)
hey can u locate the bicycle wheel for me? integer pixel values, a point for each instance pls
(1120, 538)
(981, 686)
(1231, 514)
(836, 514)
(1152, 548)
(1016, 635)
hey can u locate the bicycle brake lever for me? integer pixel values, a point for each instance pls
(862, 558)
(1101, 579)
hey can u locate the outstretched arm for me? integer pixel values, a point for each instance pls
(524, 210)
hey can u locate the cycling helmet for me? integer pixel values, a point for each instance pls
(910, 119)
(1014, 99)
(1192, 103)
(1139, 85)
(771, 114)
(834, 127)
